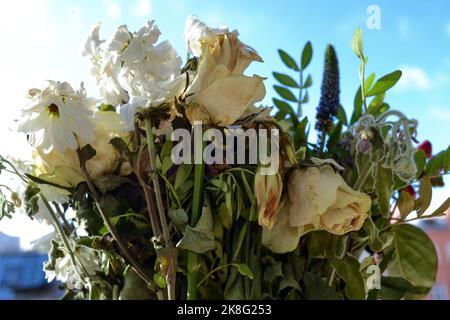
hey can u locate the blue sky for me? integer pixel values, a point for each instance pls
(42, 39)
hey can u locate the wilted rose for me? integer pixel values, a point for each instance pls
(319, 199)
(268, 191)
(220, 92)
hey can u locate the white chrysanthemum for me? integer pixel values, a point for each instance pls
(74, 276)
(56, 116)
(133, 65)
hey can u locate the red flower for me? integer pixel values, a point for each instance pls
(427, 147)
(411, 191)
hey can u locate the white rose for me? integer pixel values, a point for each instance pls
(319, 199)
(220, 91)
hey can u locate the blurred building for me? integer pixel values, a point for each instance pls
(21, 274)
(439, 231)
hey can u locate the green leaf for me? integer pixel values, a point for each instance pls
(385, 83)
(234, 289)
(160, 280)
(245, 271)
(335, 136)
(318, 242)
(377, 242)
(183, 173)
(307, 55)
(349, 270)
(369, 82)
(285, 93)
(317, 289)
(31, 198)
(285, 80)
(441, 211)
(86, 153)
(308, 83)
(436, 164)
(167, 164)
(447, 160)
(200, 239)
(376, 104)
(342, 116)
(420, 158)
(301, 134)
(226, 216)
(384, 186)
(120, 146)
(272, 269)
(394, 288)
(406, 204)
(110, 183)
(237, 245)
(358, 107)
(426, 194)
(357, 43)
(166, 151)
(288, 60)
(179, 219)
(283, 106)
(306, 98)
(7, 208)
(415, 259)
(134, 288)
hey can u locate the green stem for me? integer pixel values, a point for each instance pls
(197, 204)
(300, 97)
(63, 218)
(155, 180)
(6, 187)
(363, 82)
(368, 168)
(215, 270)
(342, 254)
(171, 276)
(112, 230)
(2, 159)
(64, 239)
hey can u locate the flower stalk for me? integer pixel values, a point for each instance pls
(197, 201)
(112, 230)
(171, 270)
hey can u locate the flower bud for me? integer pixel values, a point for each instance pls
(364, 146)
(405, 168)
(288, 149)
(16, 200)
(268, 190)
(411, 191)
(427, 147)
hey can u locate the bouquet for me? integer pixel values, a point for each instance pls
(177, 184)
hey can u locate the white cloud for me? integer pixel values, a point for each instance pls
(417, 78)
(143, 8)
(414, 78)
(440, 113)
